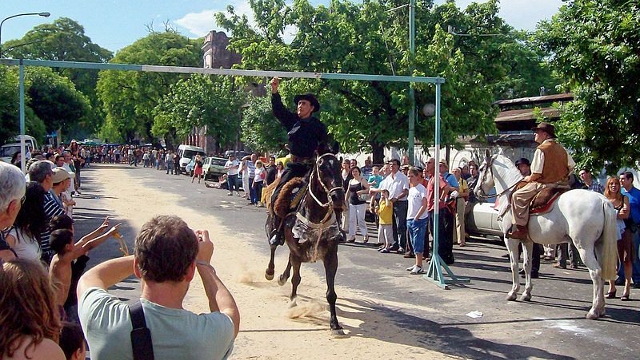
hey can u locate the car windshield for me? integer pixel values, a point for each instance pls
(9, 150)
(191, 153)
(218, 161)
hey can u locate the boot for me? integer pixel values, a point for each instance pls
(522, 233)
(277, 237)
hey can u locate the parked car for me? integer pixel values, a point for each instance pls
(186, 154)
(483, 219)
(188, 169)
(7, 151)
(213, 168)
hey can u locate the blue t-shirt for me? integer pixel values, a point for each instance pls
(375, 180)
(634, 203)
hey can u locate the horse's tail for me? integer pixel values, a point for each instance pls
(610, 238)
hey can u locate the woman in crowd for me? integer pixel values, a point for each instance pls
(28, 317)
(24, 236)
(258, 181)
(625, 243)
(197, 169)
(357, 189)
(280, 169)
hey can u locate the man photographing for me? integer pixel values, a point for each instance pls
(167, 254)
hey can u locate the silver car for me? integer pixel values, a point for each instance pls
(483, 219)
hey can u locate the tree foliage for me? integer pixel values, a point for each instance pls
(9, 120)
(65, 40)
(258, 130)
(55, 100)
(200, 100)
(129, 98)
(595, 49)
(368, 38)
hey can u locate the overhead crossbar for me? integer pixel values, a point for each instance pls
(231, 72)
(434, 274)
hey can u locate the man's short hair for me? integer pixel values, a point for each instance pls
(165, 248)
(59, 239)
(40, 169)
(396, 161)
(628, 175)
(12, 183)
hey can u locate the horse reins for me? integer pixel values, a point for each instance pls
(484, 195)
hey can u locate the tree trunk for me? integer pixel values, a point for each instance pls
(378, 152)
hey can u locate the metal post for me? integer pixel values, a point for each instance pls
(23, 153)
(412, 98)
(434, 273)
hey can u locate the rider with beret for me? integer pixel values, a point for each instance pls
(307, 138)
(551, 164)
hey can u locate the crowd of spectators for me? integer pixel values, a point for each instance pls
(42, 263)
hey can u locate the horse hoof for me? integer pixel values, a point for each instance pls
(281, 280)
(337, 332)
(526, 297)
(268, 276)
(592, 315)
(512, 297)
(293, 304)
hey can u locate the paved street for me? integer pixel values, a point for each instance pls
(551, 326)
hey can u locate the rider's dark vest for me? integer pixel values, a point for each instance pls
(555, 163)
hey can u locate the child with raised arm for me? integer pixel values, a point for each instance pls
(66, 252)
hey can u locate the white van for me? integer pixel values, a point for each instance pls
(29, 141)
(186, 153)
(7, 150)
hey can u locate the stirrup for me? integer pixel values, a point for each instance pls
(276, 238)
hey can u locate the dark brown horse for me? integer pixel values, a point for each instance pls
(313, 232)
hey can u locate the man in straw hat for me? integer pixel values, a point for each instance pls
(551, 164)
(307, 137)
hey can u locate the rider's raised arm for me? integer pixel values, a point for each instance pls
(286, 117)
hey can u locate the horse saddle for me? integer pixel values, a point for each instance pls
(543, 201)
(289, 197)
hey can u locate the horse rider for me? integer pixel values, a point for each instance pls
(307, 138)
(551, 164)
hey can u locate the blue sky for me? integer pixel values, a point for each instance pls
(118, 23)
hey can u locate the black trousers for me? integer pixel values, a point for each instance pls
(445, 234)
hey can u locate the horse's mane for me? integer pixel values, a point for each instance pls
(509, 174)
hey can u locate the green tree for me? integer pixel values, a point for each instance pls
(55, 100)
(368, 38)
(596, 51)
(129, 98)
(9, 119)
(201, 100)
(65, 40)
(261, 131)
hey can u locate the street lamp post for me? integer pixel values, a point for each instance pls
(43, 14)
(22, 121)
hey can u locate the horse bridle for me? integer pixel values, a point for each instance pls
(324, 187)
(484, 195)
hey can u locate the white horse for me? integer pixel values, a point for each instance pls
(582, 216)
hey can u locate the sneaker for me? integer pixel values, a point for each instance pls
(418, 270)
(384, 251)
(411, 268)
(230, 194)
(400, 251)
